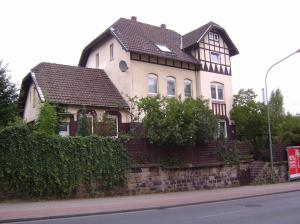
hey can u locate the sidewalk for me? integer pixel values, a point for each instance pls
(17, 211)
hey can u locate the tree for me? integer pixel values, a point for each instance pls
(83, 123)
(47, 119)
(171, 121)
(276, 104)
(250, 119)
(8, 97)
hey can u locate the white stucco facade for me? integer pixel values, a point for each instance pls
(32, 105)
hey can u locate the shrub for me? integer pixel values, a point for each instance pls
(35, 164)
(171, 121)
(47, 119)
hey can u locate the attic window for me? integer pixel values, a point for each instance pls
(163, 48)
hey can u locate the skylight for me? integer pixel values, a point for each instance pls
(163, 48)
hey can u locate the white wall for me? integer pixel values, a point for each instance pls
(122, 80)
(31, 112)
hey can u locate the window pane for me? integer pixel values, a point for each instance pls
(152, 84)
(213, 92)
(214, 57)
(187, 88)
(220, 93)
(171, 87)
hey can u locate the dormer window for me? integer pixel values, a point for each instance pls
(163, 48)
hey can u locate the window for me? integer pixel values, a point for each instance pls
(112, 121)
(163, 48)
(171, 86)
(64, 129)
(111, 50)
(217, 91)
(97, 60)
(90, 119)
(222, 130)
(216, 37)
(152, 84)
(187, 88)
(214, 57)
(211, 35)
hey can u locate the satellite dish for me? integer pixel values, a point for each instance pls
(123, 66)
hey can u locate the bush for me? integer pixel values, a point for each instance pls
(47, 119)
(35, 164)
(171, 121)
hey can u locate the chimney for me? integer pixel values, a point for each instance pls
(163, 26)
(133, 18)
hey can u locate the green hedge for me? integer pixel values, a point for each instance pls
(35, 164)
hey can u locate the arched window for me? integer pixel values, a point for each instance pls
(152, 84)
(188, 88)
(171, 86)
(217, 91)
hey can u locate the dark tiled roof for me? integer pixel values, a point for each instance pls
(196, 35)
(74, 85)
(139, 37)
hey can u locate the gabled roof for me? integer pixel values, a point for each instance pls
(197, 35)
(140, 37)
(72, 85)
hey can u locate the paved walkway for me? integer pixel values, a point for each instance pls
(17, 211)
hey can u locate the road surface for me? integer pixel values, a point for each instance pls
(273, 209)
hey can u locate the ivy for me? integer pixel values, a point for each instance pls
(38, 165)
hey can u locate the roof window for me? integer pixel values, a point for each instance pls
(163, 48)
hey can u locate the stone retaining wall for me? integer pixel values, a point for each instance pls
(158, 179)
(280, 173)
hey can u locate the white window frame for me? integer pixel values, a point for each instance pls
(65, 133)
(148, 79)
(216, 54)
(219, 128)
(211, 36)
(217, 86)
(216, 37)
(191, 84)
(171, 79)
(115, 117)
(92, 118)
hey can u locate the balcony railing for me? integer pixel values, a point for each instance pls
(219, 109)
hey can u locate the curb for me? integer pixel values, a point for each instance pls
(139, 209)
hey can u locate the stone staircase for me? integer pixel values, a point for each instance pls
(256, 168)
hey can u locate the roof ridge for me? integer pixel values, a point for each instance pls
(73, 66)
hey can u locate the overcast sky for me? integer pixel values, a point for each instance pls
(264, 31)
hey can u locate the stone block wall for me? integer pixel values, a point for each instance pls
(280, 173)
(158, 179)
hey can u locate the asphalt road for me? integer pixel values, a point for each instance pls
(274, 209)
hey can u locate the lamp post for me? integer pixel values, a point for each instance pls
(268, 113)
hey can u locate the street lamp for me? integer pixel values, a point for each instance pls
(268, 113)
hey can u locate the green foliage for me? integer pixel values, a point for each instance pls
(228, 154)
(35, 164)
(47, 119)
(250, 118)
(171, 121)
(276, 104)
(83, 128)
(290, 130)
(8, 97)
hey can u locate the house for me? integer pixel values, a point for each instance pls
(145, 60)
(72, 87)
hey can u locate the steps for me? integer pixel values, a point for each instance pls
(256, 168)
